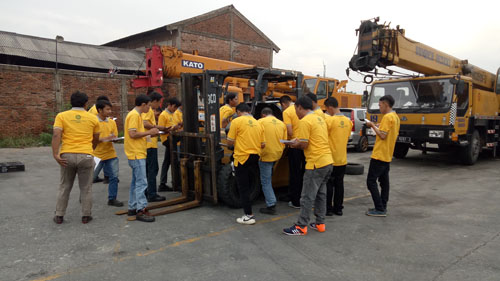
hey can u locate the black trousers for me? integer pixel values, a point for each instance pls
(379, 170)
(151, 171)
(166, 162)
(297, 166)
(335, 189)
(245, 175)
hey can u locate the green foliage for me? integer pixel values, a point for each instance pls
(44, 139)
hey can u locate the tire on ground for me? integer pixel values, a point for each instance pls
(362, 145)
(401, 149)
(227, 189)
(354, 169)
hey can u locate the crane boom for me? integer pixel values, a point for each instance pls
(382, 46)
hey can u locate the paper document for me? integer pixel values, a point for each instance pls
(286, 141)
(96, 160)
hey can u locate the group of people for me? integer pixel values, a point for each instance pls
(317, 157)
(317, 154)
(80, 137)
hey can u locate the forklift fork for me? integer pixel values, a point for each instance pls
(180, 203)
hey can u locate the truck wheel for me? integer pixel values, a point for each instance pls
(227, 189)
(362, 145)
(401, 149)
(470, 153)
(354, 169)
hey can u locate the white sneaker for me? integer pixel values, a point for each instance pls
(290, 204)
(246, 219)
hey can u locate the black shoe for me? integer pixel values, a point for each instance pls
(329, 213)
(156, 198)
(86, 219)
(284, 198)
(98, 179)
(114, 202)
(105, 180)
(163, 187)
(268, 210)
(131, 213)
(58, 219)
(338, 213)
(145, 216)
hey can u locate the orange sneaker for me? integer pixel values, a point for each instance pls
(320, 227)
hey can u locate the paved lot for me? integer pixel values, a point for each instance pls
(443, 224)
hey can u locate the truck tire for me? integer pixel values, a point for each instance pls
(354, 169)
(362, 145)
(470, 153)
(401, 149)
(227, 189)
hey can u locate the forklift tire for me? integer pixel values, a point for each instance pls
(401, 149)
(470, 153)
(227, 189)
(354, 169)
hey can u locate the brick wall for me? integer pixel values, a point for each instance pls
(252, 54)
(220, 25)
(28, 100)
(242, 31)
(206, 46)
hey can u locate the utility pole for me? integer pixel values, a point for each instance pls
(324, 69)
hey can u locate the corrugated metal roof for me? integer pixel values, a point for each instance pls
(70, 53)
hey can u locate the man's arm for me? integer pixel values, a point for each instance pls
(299, 144)
(95, 140)
(137, 135)
(148, 124)
(289, 130)
(381, 134)
(56, 142)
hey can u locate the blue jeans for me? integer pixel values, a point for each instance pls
(137, 198)
(98, 169)
(111, 167)
(266, 175)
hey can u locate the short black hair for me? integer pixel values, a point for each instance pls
(229, 97)
(305, 102)
(243, 107)
(267, 111)
(174, 101)
(388, 99)
(102, 98)
(313, 97)
(100, 104)
(79, 99)
(140, 99)
(154, 96)
(285, 99)
(332, 102)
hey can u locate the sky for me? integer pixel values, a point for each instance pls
(309, 33)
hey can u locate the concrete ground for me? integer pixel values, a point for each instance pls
(442, 224)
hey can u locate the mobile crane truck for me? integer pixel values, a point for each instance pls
(452, 103)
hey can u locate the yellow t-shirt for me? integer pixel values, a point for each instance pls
(384, 149)
(93, 110)
(226, 112)
(150, 116)
(105, 150)
(166, 119)
(248, 135)
(339, 131)
(134, 148)
(274, 130)
(313, 129)
(290, 118)
(320, 112)
(177, 117)
(78, 129)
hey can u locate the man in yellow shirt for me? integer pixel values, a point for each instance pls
(313, 139)
(227, 111)
(247, 136)
(152, 168)
(339, 131)
(387, 134)
(105, 150)
(75, 135)
(316, 108)
(296, 159)
(166, 123)
(135, 148)
(99, 166)
(274, 131)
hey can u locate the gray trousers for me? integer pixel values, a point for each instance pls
(314, 194)
(83, 165)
